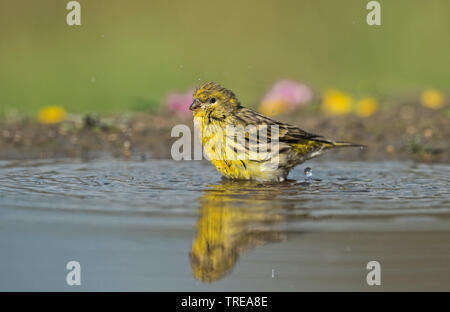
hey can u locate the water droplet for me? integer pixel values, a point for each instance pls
(308, 172)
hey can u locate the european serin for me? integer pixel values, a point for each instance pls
(243, 144)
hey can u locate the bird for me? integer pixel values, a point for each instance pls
(245, 145)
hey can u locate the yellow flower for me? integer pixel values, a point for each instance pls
(336, 102)
(366, 107)
(52, 114)
(432, 98)
(272, 107)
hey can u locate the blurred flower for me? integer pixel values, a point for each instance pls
(52, 114)
(285, 96)
(432, 98)
(336, 102)
(179, 103)
(291, 92)
(272, 107)
(366, 107)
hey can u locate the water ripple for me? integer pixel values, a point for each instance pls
(336, 189)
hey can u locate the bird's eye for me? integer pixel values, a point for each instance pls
(212, 100)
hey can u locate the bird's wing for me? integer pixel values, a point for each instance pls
(287, 133)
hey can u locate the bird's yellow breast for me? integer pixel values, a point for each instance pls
(222, 156)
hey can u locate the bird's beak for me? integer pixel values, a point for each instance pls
(195, 104)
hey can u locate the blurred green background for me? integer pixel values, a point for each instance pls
(127, 55)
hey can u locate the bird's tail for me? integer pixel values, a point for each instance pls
(347, 144)
(317, 147)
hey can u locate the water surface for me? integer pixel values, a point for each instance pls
(166, 225)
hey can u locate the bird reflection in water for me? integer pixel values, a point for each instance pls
(234, 216)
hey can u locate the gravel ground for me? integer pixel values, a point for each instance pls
(406, 132)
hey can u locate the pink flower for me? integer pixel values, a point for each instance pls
(292, 93)
(179, 103)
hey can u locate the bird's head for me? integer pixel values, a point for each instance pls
(212, 96)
